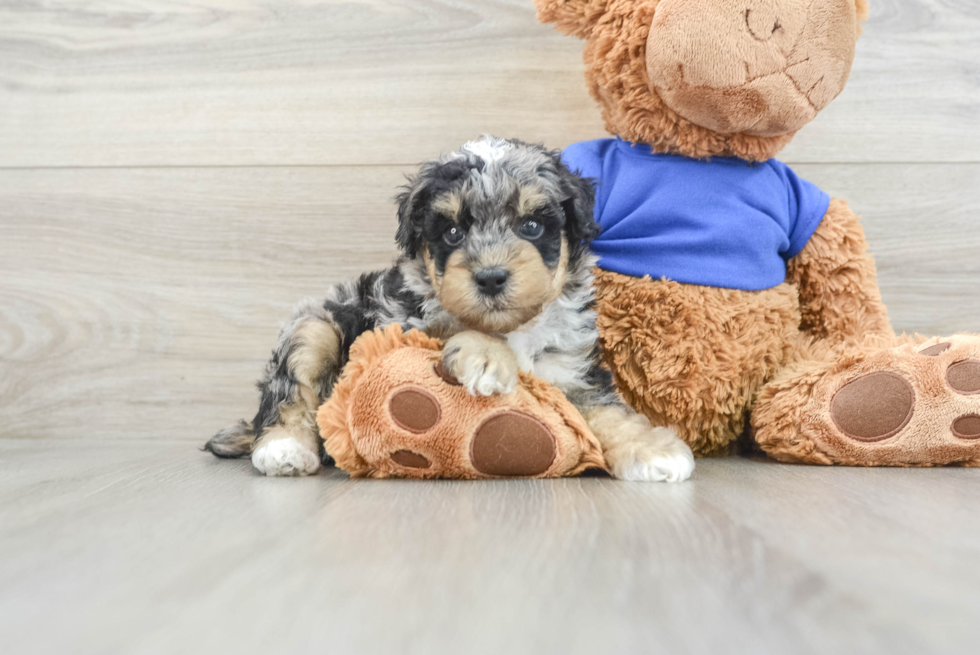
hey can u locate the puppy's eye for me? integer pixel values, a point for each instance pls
(454, 236)
(532, 230)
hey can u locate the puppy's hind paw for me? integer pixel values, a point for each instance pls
(285, 457)
(651, 462)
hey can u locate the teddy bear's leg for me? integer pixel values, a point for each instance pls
(636, 450)
(912, 404)
(694, 357)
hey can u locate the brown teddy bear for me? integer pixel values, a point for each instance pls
(735, 297)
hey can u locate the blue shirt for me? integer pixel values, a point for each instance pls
(724, 222)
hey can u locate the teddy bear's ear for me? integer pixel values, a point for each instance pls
(573, 17)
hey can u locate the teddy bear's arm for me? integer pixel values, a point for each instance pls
(837, 280)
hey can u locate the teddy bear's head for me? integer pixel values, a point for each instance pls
(712, 77)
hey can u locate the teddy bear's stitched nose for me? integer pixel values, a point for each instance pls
(762, 22)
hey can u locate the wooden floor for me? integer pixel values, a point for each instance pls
(152, 547)
(176, 174)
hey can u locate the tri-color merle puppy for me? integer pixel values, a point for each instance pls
(495, 260)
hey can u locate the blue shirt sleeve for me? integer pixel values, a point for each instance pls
(583, 158)
(808, 205)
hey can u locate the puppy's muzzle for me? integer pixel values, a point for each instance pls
(491, 282)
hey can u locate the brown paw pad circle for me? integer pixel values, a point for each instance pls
(964, 377)
(444, 374)
(937, 350)
(512, 444)
(414, 410)
(873, 407)
(967, 427)
(410, 459)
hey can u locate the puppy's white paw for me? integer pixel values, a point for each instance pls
(285, 457)
(483, 365)
(485, 377)
(654, 461)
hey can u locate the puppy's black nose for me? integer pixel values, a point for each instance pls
(491, 282)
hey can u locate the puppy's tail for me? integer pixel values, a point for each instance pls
(232, 442)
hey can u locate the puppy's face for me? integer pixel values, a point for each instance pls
(497, 225)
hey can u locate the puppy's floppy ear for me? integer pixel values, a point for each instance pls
(572, 17)
(579, 204)
(434, 178)
(413, 203)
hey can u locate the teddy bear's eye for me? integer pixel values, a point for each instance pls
(532, 230)
(454, 236)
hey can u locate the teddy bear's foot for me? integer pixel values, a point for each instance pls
(404, 408)
(914, 405)
(508, 443)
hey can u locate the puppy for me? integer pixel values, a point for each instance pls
(495, 261)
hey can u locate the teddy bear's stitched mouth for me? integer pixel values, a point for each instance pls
(776, 27)
(805, 94)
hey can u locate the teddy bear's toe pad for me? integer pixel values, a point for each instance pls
(873, 407)
(513, 444)
(414, 410)
(964, 377)
(967, 427)
(410, 459)
(937, 350)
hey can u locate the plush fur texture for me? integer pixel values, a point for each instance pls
(799, 365)
(672, 349)
(836, 277)
(359, 431)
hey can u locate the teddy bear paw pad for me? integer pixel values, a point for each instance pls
(512, 444)
(937, 350)
(411, 460)
(967, 427)
(873, 407)
(964, 377)
(414, 410)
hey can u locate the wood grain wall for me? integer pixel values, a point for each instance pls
(175, 175)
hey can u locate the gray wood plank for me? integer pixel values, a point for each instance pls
(206, 82)
(131, 299)
(140, 547)
(143, 303)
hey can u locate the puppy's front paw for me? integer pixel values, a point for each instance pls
(285, 457)
(656, 460)
(482, 364)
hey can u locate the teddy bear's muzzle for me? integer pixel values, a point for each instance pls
(762, 67)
